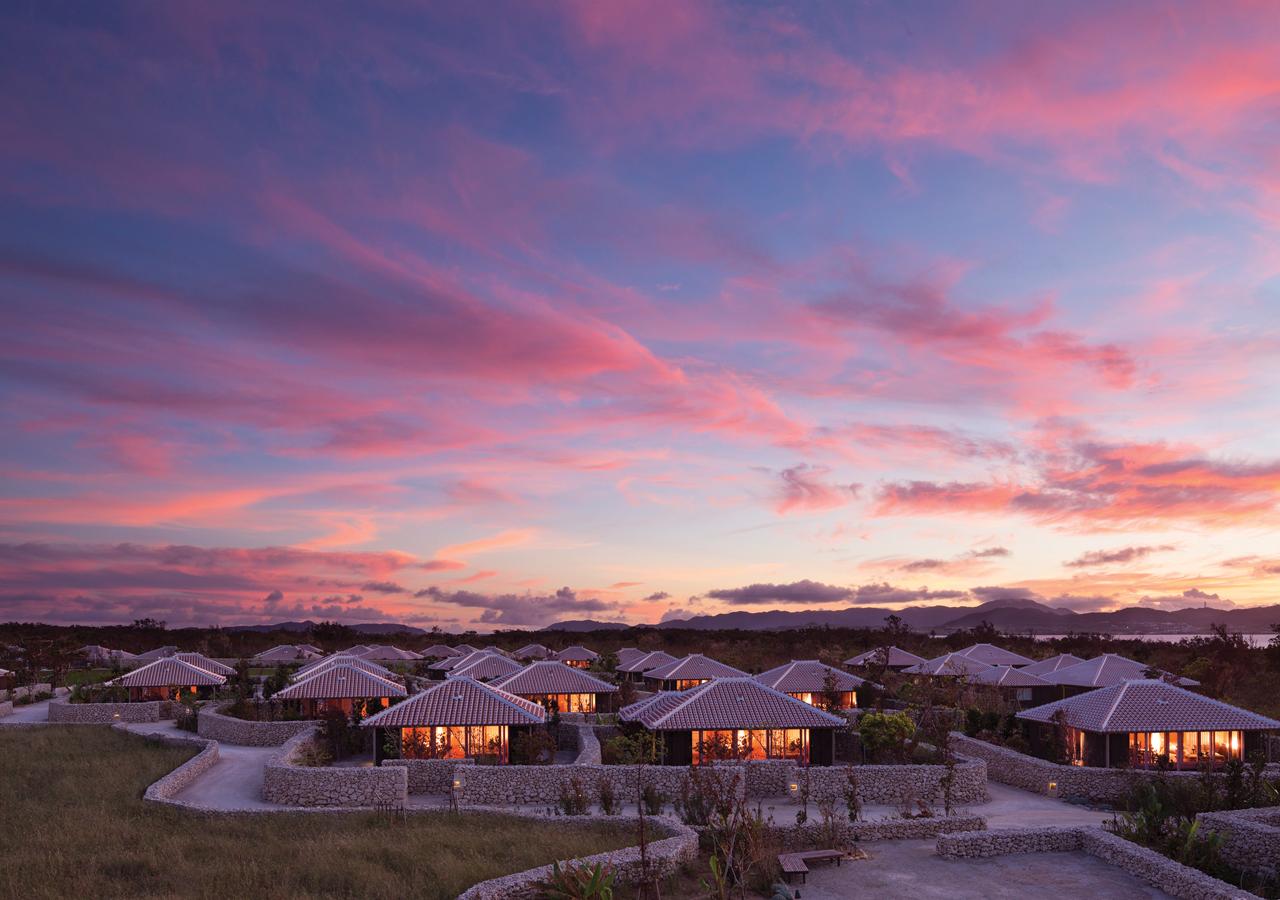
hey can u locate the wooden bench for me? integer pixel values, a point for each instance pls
(797, 863)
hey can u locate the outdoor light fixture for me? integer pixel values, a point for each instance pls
(794, 788)
(1053, 788)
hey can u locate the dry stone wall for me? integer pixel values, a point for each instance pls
(62, 712)
(166, 789)
(430, 776)
(1086, 783)
(216, 725)
(1250, 839)
(816, 834)
(6, 708)
(665, 857)
(1171, 877)
(588, 746)
(285, 782)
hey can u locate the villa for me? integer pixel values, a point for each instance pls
(441, 667)
(167, 679)
(97, 655)
(994, 656)
(807, 680)
(343, 659)
(689, 672)
(629, 654)
(6, 679)
(386, 653)
(455, 719)
(735, 718)
(578, 657)
(892, 658)
(341, 686)
(156, 653)
(1104, 671)
(551, 681)
(636, 666)
(484, 665)
(439, 651)
(1017, 685)
(1135, 724)
(949, 665)
(283, 655)
(201, 661)
(1052, 664)
(464, 649)
(533, 651)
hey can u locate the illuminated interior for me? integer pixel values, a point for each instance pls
(565, 703)
(454, 742)
(848, 700)
(1185, 749)
(781, 743)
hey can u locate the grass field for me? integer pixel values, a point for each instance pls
(73, 824)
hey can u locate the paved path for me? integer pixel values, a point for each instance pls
(26, 715)
(911, 869)
(235, 780)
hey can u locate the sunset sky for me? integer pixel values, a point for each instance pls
(496, 314)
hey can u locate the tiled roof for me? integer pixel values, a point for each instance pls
(552, 677)
(1008, 676)
(897, 657)
(577, 654)
(5, 672)
(169, 672)
(98, 653)
(1104, 671)
(464, 649)
(157, 653)
(994, 656)
(1148, 705)
(460, 701)
(646, 661)
(1052, 664)
(357, 650)
(312, 647)
(387, 653)
(533, 651)
(951, 664)
(439, 651)
(807, 676)
(444, 665)
(339, 681)
(347, 659)
(740, 702)
(285, 653)
(484, 665)
(201, 661)
(695, 665)
(629, 654)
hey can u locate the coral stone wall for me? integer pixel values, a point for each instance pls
(814, 834)
(588, 744)
(1171, 877)
(891, 784)
(62, 712)
(1251, 839)
(292, 785)
(1087, 783)
(167, 788)
(430, 776)
(665, 857)
(6, 708)
(215, 725)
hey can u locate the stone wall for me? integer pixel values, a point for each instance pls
(6, 708)
(166, 789)
(62, 712)
(588, 746)
(815, 834)
(541, 785)
(666, 856)
(289, 784)
(215, 725)
(430, 776)
(1084, 783)
(27, 691)
(1159, 871)
(1250, 839)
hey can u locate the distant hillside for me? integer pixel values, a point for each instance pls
(1019, 615)
(585, 625)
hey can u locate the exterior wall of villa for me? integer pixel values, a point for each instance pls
(285, 782)
(1251, 838)
(230, 730)
(665, 857)
(1030, 773)
(430, 776)
(62, 712)
(1171, 877)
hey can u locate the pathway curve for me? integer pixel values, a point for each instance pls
(233, 783)
(28, 715)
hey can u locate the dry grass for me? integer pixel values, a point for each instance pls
(73, 824)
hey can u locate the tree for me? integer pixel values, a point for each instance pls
(885, 735)
(832, 696)
(150, 624)
(1273, 649)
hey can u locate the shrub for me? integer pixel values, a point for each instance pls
(579, 882)
(885, 736)
(608, 800)
(573, 799)
(654, 800)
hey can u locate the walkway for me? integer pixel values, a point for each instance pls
(912, 869)
(27, 715)
(235, 780)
